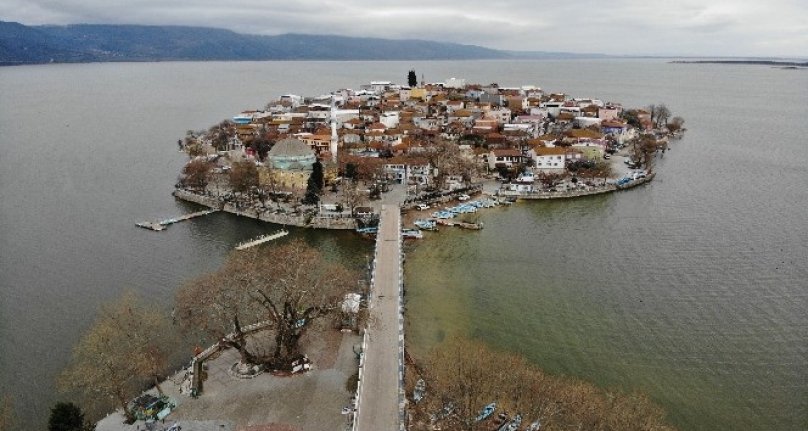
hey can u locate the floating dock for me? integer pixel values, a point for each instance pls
(163, 224)
(262, 239)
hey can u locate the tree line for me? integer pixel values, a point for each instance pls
(462, 376)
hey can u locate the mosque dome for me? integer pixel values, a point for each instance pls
(291, 154)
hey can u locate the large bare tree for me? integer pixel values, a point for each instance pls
(287, 285)
(351, 195)
(196, 174)
(123, 348)
(644, 149)
(243, 176)
(449, 160)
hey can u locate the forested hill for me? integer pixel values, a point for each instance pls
(21, 44)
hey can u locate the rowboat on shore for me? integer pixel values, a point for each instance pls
(420, 391)
(412, 234)
(367, 230)
(486, 412)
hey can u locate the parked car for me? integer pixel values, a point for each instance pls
(463, 197)
(422, 207)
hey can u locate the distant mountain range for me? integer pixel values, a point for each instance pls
(21, 44)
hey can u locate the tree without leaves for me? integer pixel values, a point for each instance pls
(676, 124)
(352, 197)
(243, 176)
(652, 109)
(662, 115)
(470, 375)
(447, 158)
(195, 149)
(288, 285)
(365, 168)
(221, 134)
(216, 304)
(644, 149)
(196, 174)
(114, 356)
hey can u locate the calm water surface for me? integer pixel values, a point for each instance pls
(692, 288)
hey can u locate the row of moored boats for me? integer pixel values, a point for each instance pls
(464, 208)
(502, 421)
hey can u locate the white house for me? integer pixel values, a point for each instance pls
(380, 87)
(502, 115)
(550, 159)
(390, 119)
(408, 171)
(458, 83)
(506, 157)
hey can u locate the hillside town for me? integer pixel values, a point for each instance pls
(322, 161)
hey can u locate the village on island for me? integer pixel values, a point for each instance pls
(327, 161)
(389, 161)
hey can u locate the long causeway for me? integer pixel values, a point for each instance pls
(381, 395)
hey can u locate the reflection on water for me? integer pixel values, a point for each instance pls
(692, 288)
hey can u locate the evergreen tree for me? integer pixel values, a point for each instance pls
(317, 174)
(67, 417)
(314, 186)
(412, 79)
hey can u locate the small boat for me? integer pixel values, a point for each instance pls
(472, 226)
(535, 426)
(442, 215)
(513, 425)
(367, 230)
(420, 391)
(426, 224)
(486, 412)
(412, 233)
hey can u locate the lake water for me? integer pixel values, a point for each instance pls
(692, 289)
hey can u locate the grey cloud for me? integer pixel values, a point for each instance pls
(734, 27)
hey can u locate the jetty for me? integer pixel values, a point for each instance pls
(262, 239)
(163, 224)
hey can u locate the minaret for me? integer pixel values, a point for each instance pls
(334, 139)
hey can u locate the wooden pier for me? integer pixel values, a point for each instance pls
(163, 224)
(262, 239)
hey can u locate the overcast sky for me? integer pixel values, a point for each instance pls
(652, 27)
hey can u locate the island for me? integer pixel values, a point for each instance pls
(331, 161)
